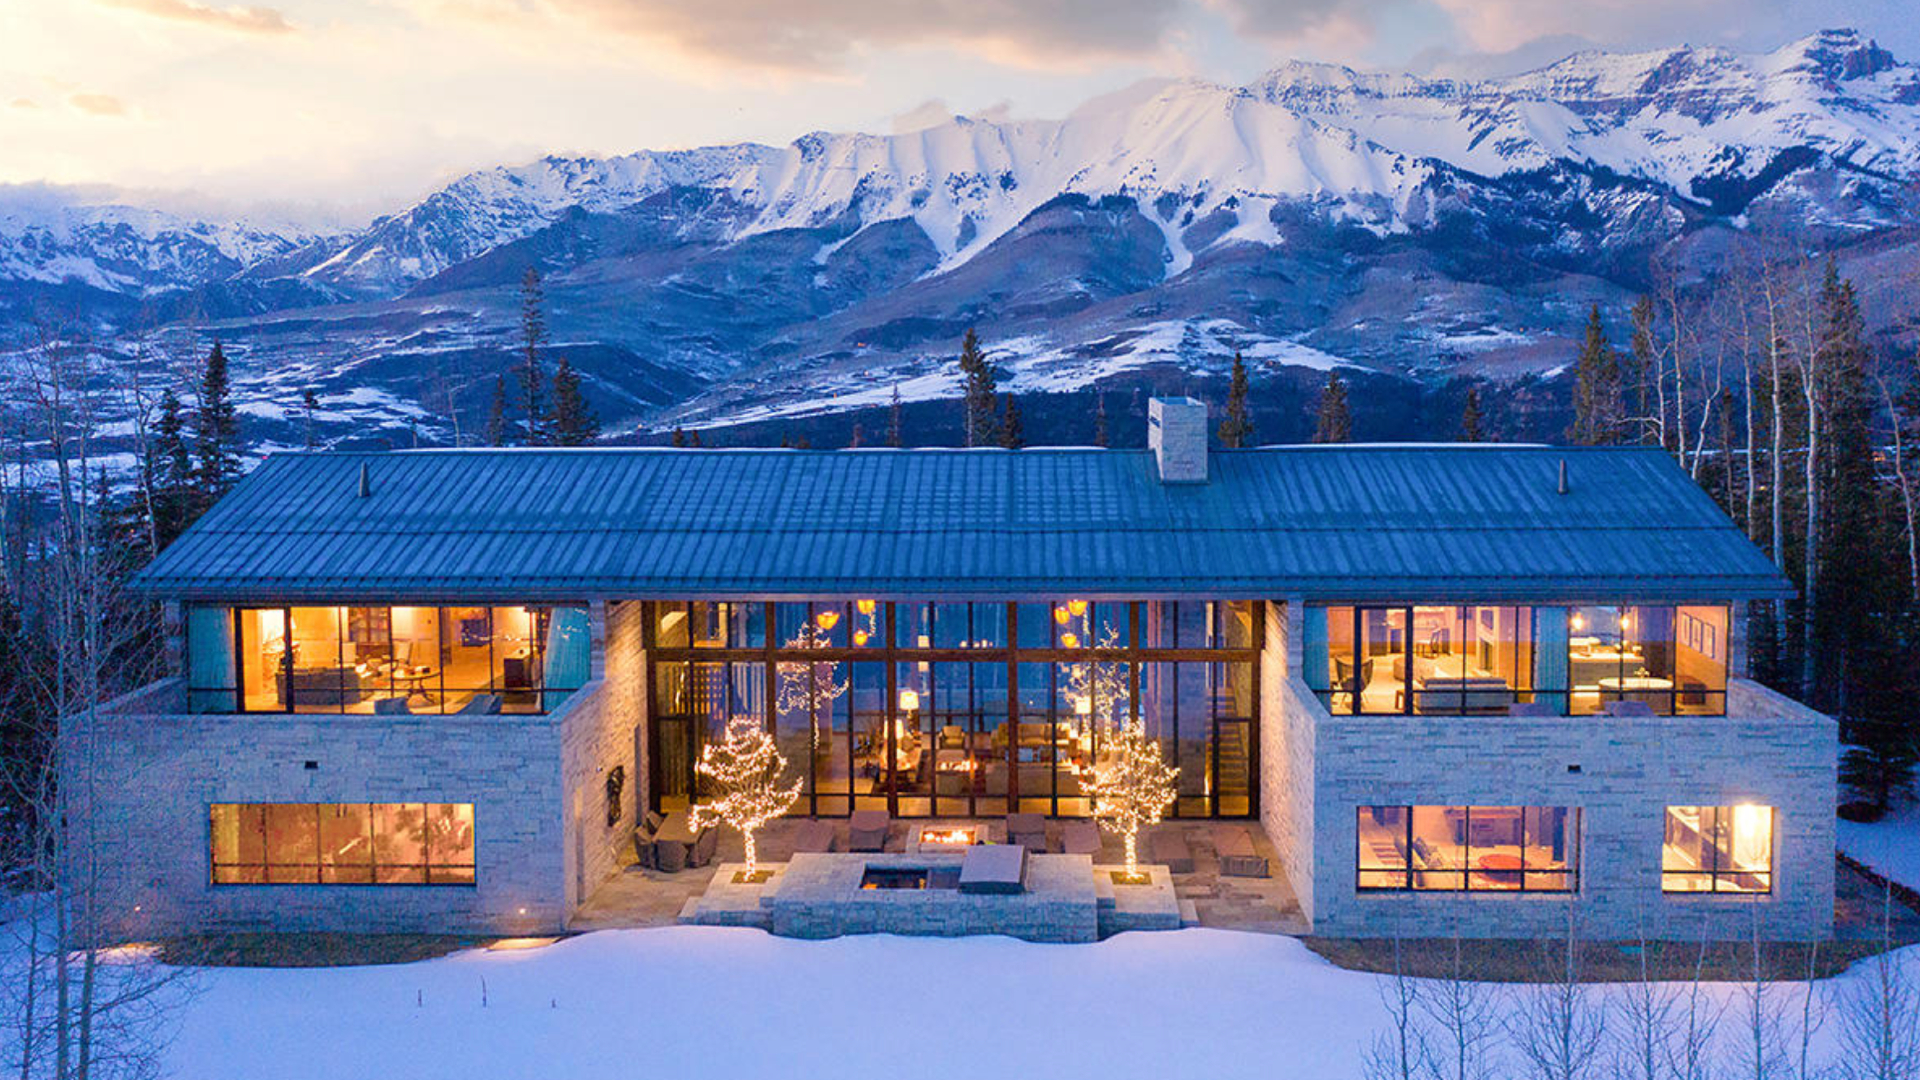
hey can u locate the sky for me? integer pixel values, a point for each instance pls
(331, 111)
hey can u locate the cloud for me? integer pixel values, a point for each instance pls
(24, 103)
(251, 20)
(98, 104)
(823, 35)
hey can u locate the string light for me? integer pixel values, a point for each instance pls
(1133, 788)
(745, 769)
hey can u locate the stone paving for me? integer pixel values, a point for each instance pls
(636, 897)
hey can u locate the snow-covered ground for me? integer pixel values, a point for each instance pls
(707, 1002)
(1890, 846)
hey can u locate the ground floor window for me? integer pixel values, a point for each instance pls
(1469, 848)
(1724, 849)
(342, 843)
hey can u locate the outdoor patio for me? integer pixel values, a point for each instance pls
(640, 897)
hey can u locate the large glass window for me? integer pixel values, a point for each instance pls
(390, 659)
(1726, 849)
(1468, 848)
(1448, 660)
(958, 708)
(342, 843)
(1480, 659)
(1672, 660)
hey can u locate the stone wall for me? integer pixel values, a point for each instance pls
(1621, 773)
(157, 771)
(596, 740)
(1286, 752)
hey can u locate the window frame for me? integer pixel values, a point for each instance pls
(1575, 832)
(319, 866)
(1716, 873)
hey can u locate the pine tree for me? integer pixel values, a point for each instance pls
(693, 439)
(497, 413)
(533, 332)
(893, 420)
(1100, 433)
(979, 381)
(1335, 422)
(216, 429)
(680, 438)
(1641, 369)
(310, 404)
(174, 498)
(1012, 436)
(1236, 429)
(1470, 429)
(571, 423)
(859, 433)
(1596, 391)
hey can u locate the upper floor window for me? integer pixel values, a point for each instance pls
(1490, 659)
(386, 659)
(1427, 659)
(1672, 660)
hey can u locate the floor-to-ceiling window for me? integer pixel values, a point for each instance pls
(389, 659)
(1489, 658)
(960, 708)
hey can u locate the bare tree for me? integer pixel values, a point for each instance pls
(1462, 1015)
(1904, 483)
(82, 1009)
(1696, 1020)
(1400, 1052)
(1879, 1011)
(1557, 1027)
(1642, 1035)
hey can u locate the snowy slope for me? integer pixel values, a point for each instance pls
(129, 249)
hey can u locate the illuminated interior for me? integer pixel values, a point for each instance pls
(1722, 849)
(1468, 848)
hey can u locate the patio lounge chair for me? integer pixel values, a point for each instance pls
(481, 705)
(813, 835)
(1080, 838)
(1027, 830)
(1238, 857)
(1169, 847)
(867, 830)
(704, 846)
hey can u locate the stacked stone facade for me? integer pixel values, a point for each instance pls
(1620, 772)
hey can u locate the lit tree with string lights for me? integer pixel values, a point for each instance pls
(1132, 788)
(745, 769)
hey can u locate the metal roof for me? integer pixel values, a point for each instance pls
(1348, 522)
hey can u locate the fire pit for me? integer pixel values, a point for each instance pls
(949, 837)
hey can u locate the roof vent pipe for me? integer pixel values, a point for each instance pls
(1562, 489)
(366, 484)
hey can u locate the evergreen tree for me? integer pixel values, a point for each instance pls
(216, 429)
(497, 413)
(859, 433)
(693, 439)
(1100, 434)
(980, 381)
(1236, 428)
(533, 332)
(1470, 429)
(1862, 645)
(1335, 422)
(680, 438)
(1641, 370)
(310, 404)
(572, 422)
(1596, 391)
(1012, 436)
(174, 497)
(893, 420)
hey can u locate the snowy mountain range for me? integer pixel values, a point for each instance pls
(1316, 216)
